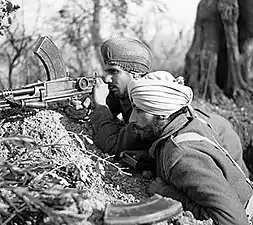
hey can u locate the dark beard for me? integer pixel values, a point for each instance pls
(152, 131)
(123, 95)
(119, 95)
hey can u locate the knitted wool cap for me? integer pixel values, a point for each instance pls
(129, 54)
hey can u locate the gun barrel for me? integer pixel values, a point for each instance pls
(17, 92)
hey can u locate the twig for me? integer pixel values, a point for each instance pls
(55, 143)
(12, 205)
(14, 214)
(98, 157)
(83, 148)
(49, 172)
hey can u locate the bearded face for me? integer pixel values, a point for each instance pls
(152, 131)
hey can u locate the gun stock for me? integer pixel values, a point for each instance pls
(51, 58)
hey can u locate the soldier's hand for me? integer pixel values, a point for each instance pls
(138, 154)
(100, 92)
(156, 186)
(78, 109)
(159, 186)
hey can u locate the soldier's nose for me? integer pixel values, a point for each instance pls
(133, 118)
(108, 79)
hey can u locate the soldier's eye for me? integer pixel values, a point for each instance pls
(138, 110)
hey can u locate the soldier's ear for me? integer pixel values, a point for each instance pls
(180, 80)
(137, 75)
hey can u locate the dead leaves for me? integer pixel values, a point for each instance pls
(52, 207)
(100, 169)
(100, 162)
(19, 140)
(45, 194)
(34, 189)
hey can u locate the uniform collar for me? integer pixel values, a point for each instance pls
(171, 128)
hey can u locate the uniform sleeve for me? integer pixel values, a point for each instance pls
(112, 136)
(206, 193)
(114, 104)
(230, 140)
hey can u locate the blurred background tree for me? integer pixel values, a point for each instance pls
(219, 60)
(81, 27)
(214, 55)
(78, 28)
(6, 9)
(16, 50)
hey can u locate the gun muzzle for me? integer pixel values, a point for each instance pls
(17, 92)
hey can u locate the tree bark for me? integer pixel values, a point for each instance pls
(245, 28)
(202, 57)
(219, 59)
(95, 29)
(229, 11)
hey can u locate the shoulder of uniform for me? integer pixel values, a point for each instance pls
(172, 152)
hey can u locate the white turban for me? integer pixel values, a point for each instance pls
(159, 93)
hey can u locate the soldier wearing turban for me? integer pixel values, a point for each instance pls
(195, 172)
(126, 59)
(153, 95)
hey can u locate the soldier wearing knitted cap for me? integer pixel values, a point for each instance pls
(129, 54)
(192, 167)
(124, 59)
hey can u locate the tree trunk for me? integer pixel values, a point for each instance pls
(219, 60)
(95, 29)
(202, 57)
(245, 28)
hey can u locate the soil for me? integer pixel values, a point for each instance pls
(53, 173)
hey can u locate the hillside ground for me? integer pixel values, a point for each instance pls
(52, 172)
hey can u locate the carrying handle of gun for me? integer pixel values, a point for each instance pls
(51, 58)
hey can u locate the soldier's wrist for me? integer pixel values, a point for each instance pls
(99, 104)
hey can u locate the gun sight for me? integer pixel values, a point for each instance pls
(83, 83)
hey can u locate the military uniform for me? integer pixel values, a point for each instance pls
(113, 136)
(199, 175)
(190, 161)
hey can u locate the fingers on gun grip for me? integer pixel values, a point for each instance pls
(86, 103)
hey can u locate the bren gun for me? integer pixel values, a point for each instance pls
(59, 86)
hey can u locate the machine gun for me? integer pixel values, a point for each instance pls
(59, 86)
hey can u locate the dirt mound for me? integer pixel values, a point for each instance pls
(52, 172)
